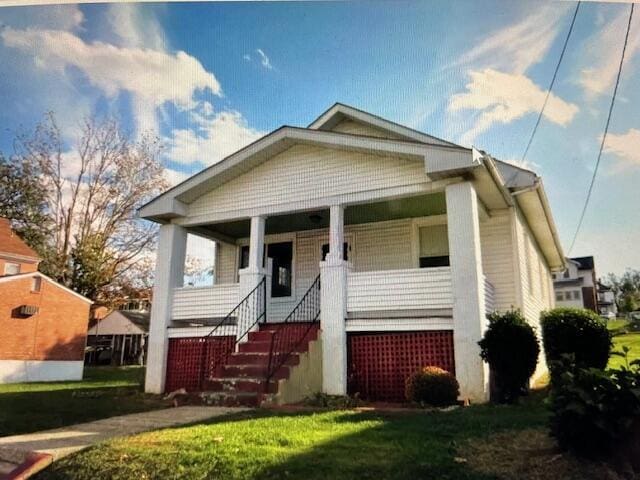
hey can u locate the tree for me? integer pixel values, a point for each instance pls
(92, 190)
(626, 289)
(23, 201)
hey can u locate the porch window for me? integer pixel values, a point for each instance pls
(282, 255)
(345, 251)
(434, 246)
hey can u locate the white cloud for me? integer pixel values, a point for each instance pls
(264, 60)
(604, 49)
(174, 177)
(517, 47)
(213, 137)
(156, 76)
(134, 27)
(247, 57)
(626, 147)
(503, 97)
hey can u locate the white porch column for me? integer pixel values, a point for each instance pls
(469, 315)
(333, 308)
(251, 276)
(172, 245)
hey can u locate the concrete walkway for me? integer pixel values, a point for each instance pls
(60, 442)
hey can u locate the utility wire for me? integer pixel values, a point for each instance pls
(606, 130)
(553, 81)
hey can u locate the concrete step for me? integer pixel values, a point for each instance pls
(231, 399)
(257, 359)
(253, 371)
(241, 385)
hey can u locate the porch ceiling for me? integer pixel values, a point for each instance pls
(409, 207)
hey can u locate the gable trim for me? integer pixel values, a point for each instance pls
(20, 276)
(328, 120)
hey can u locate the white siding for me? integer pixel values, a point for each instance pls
(305, 173)
(203, 302)
(417, 288)
(382, 246)
(226, 263)
(356, 128)
(497, 258)
(535, 276)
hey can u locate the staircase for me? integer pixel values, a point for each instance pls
(246, 379)
(250, 375)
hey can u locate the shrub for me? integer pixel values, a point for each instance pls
(432, 386)
(576, 332)
(511, 349)
(597, 412)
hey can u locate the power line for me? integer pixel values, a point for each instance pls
(606, 130)
(553, 81)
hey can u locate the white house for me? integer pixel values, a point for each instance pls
(576, 286)
(348, 254)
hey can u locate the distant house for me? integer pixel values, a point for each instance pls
(120, 338)
(576, 286)
(43, 324)
(606, 301)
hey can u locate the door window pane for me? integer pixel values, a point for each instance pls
(282, 255)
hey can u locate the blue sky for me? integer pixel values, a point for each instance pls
(211, 77)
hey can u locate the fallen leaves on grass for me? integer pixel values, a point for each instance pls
(530, 455)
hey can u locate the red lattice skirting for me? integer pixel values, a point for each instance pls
(379, 363)
(192, 359)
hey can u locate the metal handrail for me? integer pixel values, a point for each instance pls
(260, 294)
(309, 308)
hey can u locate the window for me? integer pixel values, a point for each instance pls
(566, 273)
(11, 268)
(576, 294)
(244, 256)
(282, 255)
(559, 297)
(345, 251)
(434, 246)
(36, 283)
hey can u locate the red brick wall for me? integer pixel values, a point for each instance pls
(57, 332)
(25, 267)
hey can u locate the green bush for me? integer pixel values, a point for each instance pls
(432, 386)
(597, 412)
(511, 349)
(576, 332)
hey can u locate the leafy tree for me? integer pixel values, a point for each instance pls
(89, 192)
(626, 289)
(23, 201)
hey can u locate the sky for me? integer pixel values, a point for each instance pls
(211, 77)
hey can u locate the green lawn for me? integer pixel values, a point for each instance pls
(104, 392)
(622, 339)
(305, 445)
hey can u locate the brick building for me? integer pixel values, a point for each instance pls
(43, 324)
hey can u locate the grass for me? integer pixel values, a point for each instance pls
(104, 392)
(343, 444)
(622, 338)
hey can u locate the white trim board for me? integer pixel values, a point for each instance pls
(19, 371)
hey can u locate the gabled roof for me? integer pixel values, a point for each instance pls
(12, 245)
(280, 140)
(339, 112)
(21, 276)
(121, 322)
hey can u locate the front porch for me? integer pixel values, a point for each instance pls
(384, 266)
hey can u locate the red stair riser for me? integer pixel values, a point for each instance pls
(236, 371)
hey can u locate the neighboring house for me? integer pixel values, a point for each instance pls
(120, 338)
(606, 301)
(43, 324)
(576, 286)
(348, 255)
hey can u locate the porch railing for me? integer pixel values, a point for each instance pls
(295, 329)
(253, 307)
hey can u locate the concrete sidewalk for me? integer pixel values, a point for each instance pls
(51, 445)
